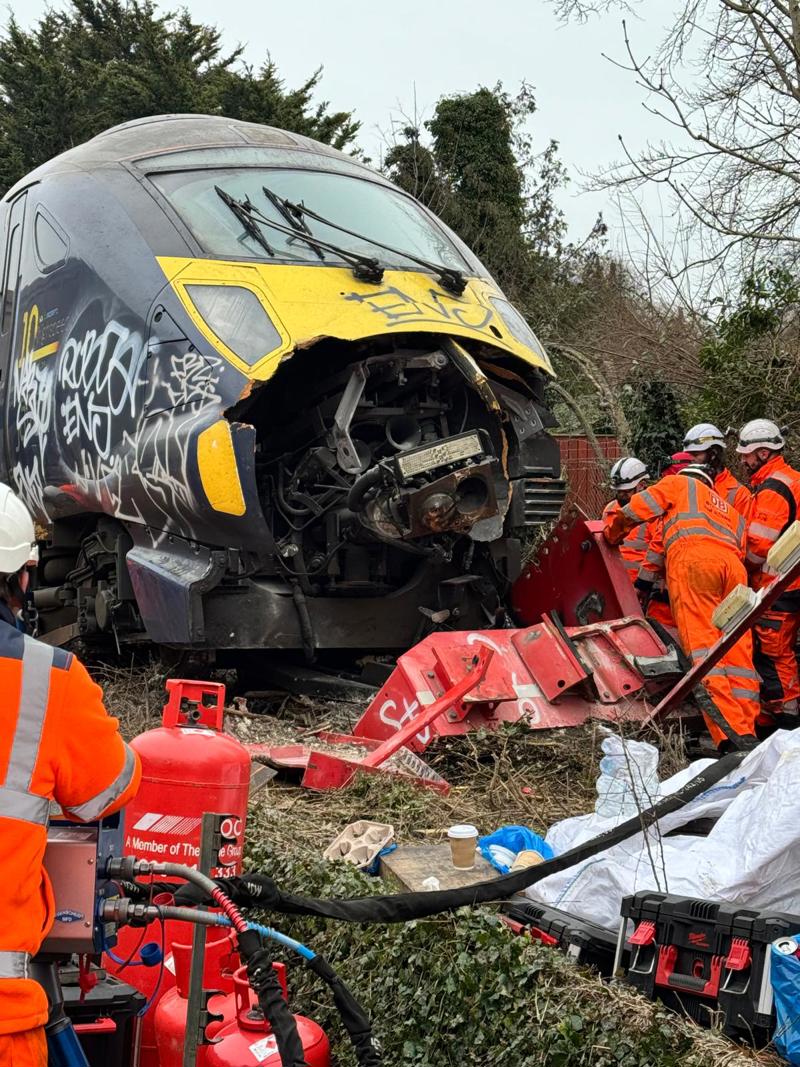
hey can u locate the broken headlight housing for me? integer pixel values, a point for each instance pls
(237, 317)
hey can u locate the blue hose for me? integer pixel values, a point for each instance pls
(64, 1049)
(274, 935)
(126, 963)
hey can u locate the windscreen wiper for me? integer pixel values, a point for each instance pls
(449, 277)
(294, 219)
(242, 213)
(365, 268)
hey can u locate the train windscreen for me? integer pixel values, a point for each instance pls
(373, 211)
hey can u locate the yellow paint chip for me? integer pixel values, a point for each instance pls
(219, 475)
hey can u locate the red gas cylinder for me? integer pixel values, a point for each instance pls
(249, 1040)
(189, 766)
(221, 962)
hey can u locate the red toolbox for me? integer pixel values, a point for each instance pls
(581, 941)
(706, 959)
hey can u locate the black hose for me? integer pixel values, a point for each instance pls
(354, 1018)
(264, 983)
(259, 890)
(361, 486)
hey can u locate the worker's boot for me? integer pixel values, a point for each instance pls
(789, 716)
(767, 720)
(744, 743)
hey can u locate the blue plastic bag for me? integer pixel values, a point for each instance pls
(785, 978)
(514, 839)
(375, 867)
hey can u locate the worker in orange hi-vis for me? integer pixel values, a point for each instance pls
(704, 548)
(776, 497)
(707, 445)
(57, 744)
(650, 583)
(627, 476)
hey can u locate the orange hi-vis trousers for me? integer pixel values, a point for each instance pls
(700, 575)
(26, 1049)
(775, 654)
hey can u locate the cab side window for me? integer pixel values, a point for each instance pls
(50, 243)
(12, 262)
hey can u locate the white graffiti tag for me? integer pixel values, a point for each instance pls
(190, 380)
(396, 722)
(100, 374)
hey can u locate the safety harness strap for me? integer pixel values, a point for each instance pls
(777, 485)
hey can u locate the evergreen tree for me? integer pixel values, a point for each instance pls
(656, 426)
(102, 62)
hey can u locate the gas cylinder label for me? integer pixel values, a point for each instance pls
(264, 1048)
(176, 840)
(231, 829)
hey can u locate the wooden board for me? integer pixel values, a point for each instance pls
(410, 865)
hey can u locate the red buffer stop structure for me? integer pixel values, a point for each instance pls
(585, 651)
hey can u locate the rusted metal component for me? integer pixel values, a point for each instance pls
(455, 502)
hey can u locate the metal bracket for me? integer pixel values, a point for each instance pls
(346, 453)
(197, 1003)
(657, 666)
(522, 411)
(206, 1018)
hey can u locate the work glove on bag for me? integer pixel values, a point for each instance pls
(251, 890)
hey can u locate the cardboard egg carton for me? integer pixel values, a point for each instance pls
(360, 842)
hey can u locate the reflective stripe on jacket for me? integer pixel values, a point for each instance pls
(58, 744)
(733, 492)
(690, 509)
(775, 505)
(635, 545)
(653, 564)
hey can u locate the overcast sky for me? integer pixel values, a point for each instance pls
(378, 58)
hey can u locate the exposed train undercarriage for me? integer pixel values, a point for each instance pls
(408, 479)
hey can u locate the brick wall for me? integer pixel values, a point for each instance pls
(587, 481)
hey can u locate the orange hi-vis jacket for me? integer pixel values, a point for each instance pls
(689, 509)
(57, 744)
(733, 492)
(703, 540)
(635, 545)
(775, 505)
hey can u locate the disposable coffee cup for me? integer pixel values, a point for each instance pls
(463, 841)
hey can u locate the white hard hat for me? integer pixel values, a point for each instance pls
(759, 433)
(627, 473)
(17, 535)
(698, 471)
(702, 436)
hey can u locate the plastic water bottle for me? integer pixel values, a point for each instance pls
(628, 781)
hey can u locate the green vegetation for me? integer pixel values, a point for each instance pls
(461, 988)
(98, 63)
